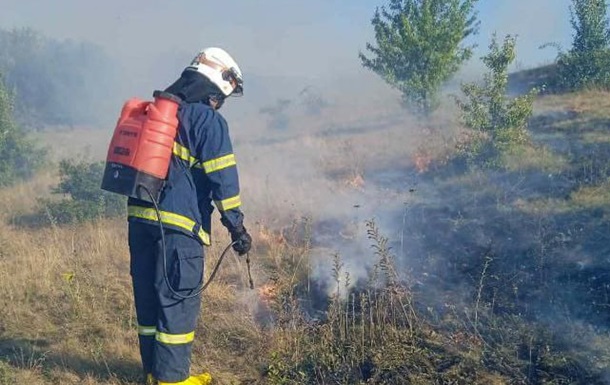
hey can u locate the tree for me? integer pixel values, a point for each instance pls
(588, 18)
(419, 46)
(587, 63)
(486, 108)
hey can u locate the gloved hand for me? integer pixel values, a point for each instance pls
(243, 240)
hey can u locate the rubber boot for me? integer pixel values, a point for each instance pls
(202, 379)
(150, 380)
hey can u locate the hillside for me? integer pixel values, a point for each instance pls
(473, 277)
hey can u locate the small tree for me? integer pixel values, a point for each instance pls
(486, 108)
(85, 201)
(587, 63)
(419, 46)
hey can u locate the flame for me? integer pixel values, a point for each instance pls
(422, 161)
(268, 293)
(357, 181)
(271, 237)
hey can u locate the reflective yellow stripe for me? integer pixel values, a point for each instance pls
(228, 204)
(209, 166)
(147, 330)
(181, 221)
(183, 153)
(175, 339)
(219, 163)
(205, 237)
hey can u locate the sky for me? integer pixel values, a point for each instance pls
(278, 43)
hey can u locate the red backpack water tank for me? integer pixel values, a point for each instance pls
(141, 147)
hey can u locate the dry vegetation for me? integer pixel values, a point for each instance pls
(449, 298)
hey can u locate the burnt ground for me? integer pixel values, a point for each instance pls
(528, 245)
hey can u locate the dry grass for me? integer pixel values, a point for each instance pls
(530, 157)
(21, 198)
(594, 102)
(65, 295)
(67, 305)
(65, 292)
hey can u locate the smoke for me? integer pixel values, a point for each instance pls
(321, 163)
(318, 136)
(281, 46)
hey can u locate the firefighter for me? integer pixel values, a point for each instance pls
(202, 170)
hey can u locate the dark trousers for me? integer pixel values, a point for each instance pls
(166, 323)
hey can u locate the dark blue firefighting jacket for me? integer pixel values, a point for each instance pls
(202, 170)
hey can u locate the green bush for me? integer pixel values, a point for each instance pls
(85, 201)
(500, 123)
(577, 71)
(19, 156)
(587, 63)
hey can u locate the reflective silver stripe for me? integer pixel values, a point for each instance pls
(229, 203)
(175, 339)
(169, 218)
(147, 330)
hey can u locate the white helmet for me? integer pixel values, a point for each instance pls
(220, 68)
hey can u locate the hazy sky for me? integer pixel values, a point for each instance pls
(269, 38)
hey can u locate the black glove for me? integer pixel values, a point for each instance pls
(243, 240)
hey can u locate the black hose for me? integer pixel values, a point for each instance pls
(169, 286)
(222, 256)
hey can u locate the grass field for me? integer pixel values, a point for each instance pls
(376, 261)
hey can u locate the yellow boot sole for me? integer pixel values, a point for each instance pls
(202, 379)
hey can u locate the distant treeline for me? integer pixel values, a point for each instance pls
(55, 82)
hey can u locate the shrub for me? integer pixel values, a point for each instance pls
(500, 122)
(587, 63)
(80, 183)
